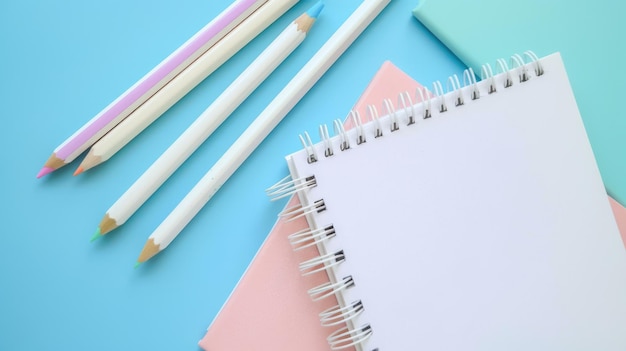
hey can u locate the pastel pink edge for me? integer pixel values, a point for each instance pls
(45, 170)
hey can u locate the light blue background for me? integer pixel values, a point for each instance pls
(61, 62)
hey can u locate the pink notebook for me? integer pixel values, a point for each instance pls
(287, 318)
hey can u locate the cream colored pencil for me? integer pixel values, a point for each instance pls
(141, 91)
(128, 203)
(178, 87)
(261, 127)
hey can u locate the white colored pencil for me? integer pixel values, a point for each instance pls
(205, 124)
(126, 205)
(182, 84)
(261, 127)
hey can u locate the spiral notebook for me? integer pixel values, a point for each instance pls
(470, 219)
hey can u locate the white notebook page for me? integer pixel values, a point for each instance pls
(486, 227)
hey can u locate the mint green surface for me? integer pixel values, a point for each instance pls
(590, 37)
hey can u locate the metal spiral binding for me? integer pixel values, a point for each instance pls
(404, 100)
(308, 237)
(358, 126)
(328, 289)
(423, 95)
(339, 130)
(440, 95)
(287, 187)
(299, 210)
(328, 146)
(518, 62)
(426, 100)
(372, 113)
(504, 68)
(338, 315)
(391, 111)
(322, 263)
(346, 337)
(308, 146)
(426, 105)
(470, 79)
(453, 81)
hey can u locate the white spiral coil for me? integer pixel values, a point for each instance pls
(287, 187)
(425, 101)
(299, 210)
(328, 289)
(338, 314)
(346, 337)
(426, 104)
(309, 237)
(322, 263)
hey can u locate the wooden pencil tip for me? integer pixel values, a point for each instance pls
(51, 165)
(149, 250)
(137, 264)
(305, 22)
(107, 224)
(91, 160)
(78, 171)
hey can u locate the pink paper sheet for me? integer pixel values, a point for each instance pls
(270, 308)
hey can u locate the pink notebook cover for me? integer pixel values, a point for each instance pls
(270, 308)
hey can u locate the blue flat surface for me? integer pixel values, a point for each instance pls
(61, 63)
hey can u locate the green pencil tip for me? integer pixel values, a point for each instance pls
(137, 264)
(96, 235)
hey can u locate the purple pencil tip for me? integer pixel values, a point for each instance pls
(45, 170)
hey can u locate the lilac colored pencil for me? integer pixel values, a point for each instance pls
(141, 91)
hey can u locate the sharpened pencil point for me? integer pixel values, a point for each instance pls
(96, 235)
(107, 224)
(315, 11)
(78, 171)
(51, 165)
(137, 264)
(149, 250)
(306, 20)
(45, 170)
(91, 160)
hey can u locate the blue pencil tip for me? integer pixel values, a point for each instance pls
(315, 10)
